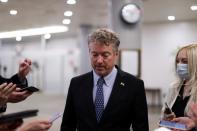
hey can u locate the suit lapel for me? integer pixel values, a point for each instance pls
(114, 94)
(89, 96)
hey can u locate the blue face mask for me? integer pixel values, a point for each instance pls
(182, 71)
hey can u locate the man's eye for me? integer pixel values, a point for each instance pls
(94, 55)
(106, 55)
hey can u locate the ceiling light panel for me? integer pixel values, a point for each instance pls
(66, 21)
(171, 18)
(47, 36)
(68, 13)
(18, 38)
(71, 2)
(34, 31)
(193, 7)
(4, 1)
(13, 12)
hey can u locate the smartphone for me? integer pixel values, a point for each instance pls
(167, 109)
(55, 117)
(30, 89)
(173, 125)
(20, 86)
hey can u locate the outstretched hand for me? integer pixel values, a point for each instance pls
(5, 92)
(24, 68)
(41, 125)
(18, 96)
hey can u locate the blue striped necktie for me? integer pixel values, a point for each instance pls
(99, 100)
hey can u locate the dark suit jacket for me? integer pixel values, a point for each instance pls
(126, 105)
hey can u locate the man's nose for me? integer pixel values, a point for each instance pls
(100, 59)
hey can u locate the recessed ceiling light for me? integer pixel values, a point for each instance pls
(18, 38)
(66, 21)
(68, 13)
(193, 7)
(171, 18)
(47, 36)
(71, 2)
(13, 12)
(4, 1)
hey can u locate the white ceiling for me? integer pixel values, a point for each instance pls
(39, 13)
(158, 10)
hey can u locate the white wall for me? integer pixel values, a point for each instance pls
(58, 62)
(159, 45)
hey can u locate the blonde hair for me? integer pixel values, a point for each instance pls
(191, 51)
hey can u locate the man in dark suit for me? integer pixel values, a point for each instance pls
(107, 98)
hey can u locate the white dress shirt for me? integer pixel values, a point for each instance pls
(107, 86)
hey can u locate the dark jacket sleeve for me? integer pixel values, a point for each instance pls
(14, 79)
(3, 108)
(69, 118)
(140, 119)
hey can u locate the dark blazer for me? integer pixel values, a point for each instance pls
(127, 105)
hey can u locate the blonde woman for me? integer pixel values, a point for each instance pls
(184, 91)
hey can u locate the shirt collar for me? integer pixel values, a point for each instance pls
(106, 78)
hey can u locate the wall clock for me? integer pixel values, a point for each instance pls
(130, 13)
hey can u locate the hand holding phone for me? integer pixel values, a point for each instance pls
(173, 125)
(168, 114)
(55, 117)
(30, 89)
(167, 109)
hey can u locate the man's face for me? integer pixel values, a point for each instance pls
(102, 58)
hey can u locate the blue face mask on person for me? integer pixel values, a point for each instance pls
(182, 71)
